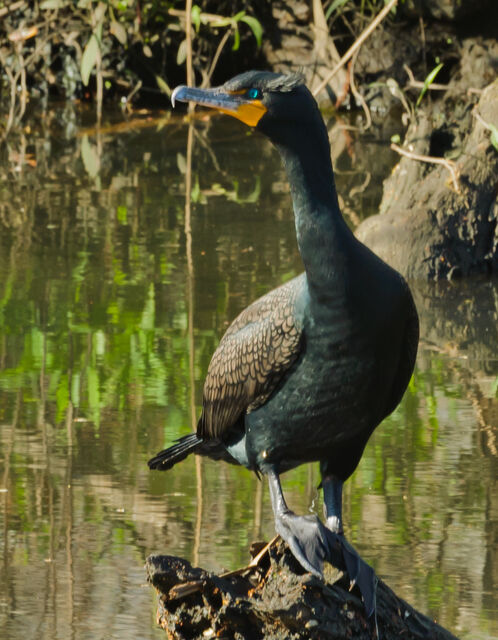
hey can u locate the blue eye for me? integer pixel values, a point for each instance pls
(253, 94)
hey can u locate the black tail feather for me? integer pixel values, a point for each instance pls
(166, 459)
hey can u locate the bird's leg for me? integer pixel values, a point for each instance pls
(358, 570)
(305, 535)
(332, 499)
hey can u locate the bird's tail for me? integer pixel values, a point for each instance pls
(179, 451)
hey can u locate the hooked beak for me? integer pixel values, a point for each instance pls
(234, 104)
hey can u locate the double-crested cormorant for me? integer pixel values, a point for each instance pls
(309, 370)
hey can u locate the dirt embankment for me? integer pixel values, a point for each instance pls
(440, 220)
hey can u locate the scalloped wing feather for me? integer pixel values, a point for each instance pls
(257, 349)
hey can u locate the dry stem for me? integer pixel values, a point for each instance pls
(431, 160)
(356, 45)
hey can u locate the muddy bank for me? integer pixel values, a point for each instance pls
(440, 221)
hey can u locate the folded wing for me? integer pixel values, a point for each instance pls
(257, 349)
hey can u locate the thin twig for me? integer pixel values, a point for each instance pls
(191, 336)
(356, 45)
(431, 160)
(359, 98)
(217, 54)
(204, 17)
(254, 562)
(12, 82)
(485, 124)
(418, 84)
(24, 89)
(13, 7)
(188, 41)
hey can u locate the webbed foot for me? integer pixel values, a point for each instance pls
(307, 539)
(312, 543)
(358, 570)
(361, 574)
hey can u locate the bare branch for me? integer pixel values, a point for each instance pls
(356, 45)
(431, 160)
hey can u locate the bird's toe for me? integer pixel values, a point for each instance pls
(360, 573)
(306, 538)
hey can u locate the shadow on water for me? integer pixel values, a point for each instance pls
(113, 295)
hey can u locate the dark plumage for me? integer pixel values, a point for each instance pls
(309, 370)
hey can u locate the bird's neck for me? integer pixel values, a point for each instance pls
(322, 234)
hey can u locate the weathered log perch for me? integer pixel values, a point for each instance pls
(277, 600)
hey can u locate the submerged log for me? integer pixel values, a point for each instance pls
(277, 599)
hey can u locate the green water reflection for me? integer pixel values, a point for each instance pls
(112, 299)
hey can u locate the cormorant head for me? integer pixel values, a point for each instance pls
(276, 104)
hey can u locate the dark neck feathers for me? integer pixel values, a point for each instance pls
(322, 235)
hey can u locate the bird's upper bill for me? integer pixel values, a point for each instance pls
(239, 104)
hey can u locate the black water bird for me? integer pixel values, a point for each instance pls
(309, 370)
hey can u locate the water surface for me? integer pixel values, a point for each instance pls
(114, 292)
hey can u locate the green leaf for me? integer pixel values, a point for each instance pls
(195, 16)
(255, 25)
(181, 54)
(148, 319)
(163, 86)
(181, 163)
(119, 32)
(99, 12)
(223, 22)
(93, 388)
(122, 214)
(62, 396)
(494, 388)
(494, 135)
(75, 389)
(52, 4)
(236, 40)
(337, 4)
(196, 191)
(428, 81)
(89, 58)
(90, 157)
(238, 16)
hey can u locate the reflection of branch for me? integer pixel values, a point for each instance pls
(205, 143)
(188, 61)
(472, 391)
(258, 510)
(190, 294)
(355, 46)
(477, 399)
(431, 160)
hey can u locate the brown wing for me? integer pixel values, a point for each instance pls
(256, 350)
